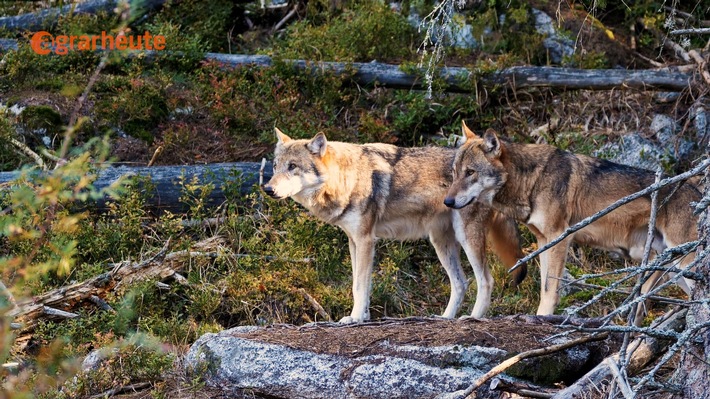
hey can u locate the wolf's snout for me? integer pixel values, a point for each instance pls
(450, 202)
(269, 190)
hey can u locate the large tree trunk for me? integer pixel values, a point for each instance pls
(695, 372)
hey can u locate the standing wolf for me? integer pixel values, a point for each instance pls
(382, 191)
(549, 190)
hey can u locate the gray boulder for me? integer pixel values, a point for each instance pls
(665, 146)
(374, 361)
(557, 45)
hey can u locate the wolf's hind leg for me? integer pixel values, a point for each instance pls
(449, 252)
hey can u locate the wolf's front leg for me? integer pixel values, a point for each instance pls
(552, 265)
(448, 250)
(471, 234)
(362, 254)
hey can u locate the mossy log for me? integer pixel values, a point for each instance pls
(459, 79)
(464, 80)
(47, 18)
(166, 181)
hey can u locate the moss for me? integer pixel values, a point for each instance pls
(36, 117)
(369, 30)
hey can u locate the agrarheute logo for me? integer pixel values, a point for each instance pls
(44, 43)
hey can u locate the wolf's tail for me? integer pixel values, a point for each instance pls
(505, 239)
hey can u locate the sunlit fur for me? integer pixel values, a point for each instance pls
(382, 191)
(549, 190)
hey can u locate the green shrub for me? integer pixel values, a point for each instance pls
(369, 30)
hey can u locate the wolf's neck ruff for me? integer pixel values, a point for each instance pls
(327, 201)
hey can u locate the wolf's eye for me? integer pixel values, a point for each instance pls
(470, 172)
(291, 166)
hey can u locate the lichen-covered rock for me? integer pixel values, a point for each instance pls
(666, 147)
(557, 45)
(377, 361)
(277, 370)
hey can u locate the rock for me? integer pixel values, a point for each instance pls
(459, 34)
(557, 45)
(376, 360)
(667, 134)
(635, 150)
(699, 116)
(93, 360)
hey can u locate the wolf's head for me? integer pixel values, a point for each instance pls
(299, 168)
(477, 171)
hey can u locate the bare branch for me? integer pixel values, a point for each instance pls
(522, 389)
(655, 298)
(285, 19)
(316, 306)
(690, 31)
(58, 313)
(27, 151)
(664, 257)
(525, 355)
(644, 350)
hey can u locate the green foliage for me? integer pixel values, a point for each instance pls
(38, 233)
(198, 25)
(139, 103)
(587, 60)
(118, 233)
(138, 359)
(367, 31)
(247, 101)
(36, 117)
(416, 114)
(25, 67)
(10, 158)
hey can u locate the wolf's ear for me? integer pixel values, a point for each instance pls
(318, 145)
(466, 134)
(491, 143)
(283, 139)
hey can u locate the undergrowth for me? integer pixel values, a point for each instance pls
(261, 255)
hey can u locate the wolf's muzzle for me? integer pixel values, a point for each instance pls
(450, 202)
(269, 191)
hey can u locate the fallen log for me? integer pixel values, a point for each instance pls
(166, 181)
(47, 18)
(460, 79)
(59, 302)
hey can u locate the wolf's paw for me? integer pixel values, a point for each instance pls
(463, 318)
(349, 320)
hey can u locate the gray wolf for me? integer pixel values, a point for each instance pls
(376, 191)
(549, 190)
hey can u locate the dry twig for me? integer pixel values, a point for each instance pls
(27, 151)
(316, 306)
